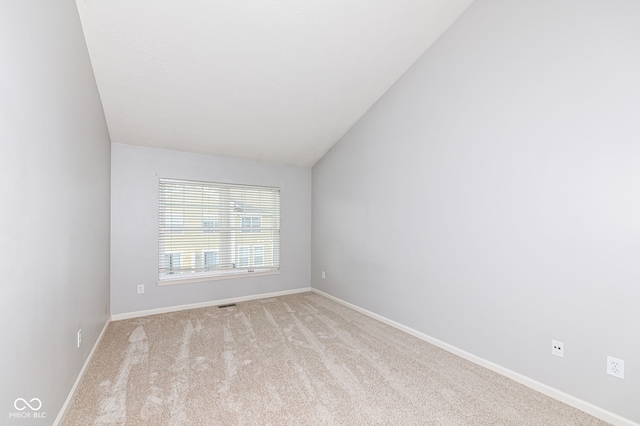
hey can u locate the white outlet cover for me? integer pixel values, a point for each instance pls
(140, 288)
(79, 337)
(615, 367)
(557, 348)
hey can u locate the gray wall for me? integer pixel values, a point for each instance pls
(54, 204)
(134, 221)
(491, 198)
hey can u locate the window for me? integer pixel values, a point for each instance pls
(213, 230)
(210, 224)
(243, 257)
(251, 224)
(210, 260)
(258, 256)
(171, 263)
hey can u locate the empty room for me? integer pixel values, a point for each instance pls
(332, 213)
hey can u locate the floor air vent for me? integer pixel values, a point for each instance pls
(226, 306)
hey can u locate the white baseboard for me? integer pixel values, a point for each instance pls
(72, 392)
(137, 314)
(587, 407)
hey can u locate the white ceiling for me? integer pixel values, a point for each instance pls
(268, 80)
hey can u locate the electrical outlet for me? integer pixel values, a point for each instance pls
(324, 275)
(557, 348)
(615, 367)
(79, 339)
(140, 288)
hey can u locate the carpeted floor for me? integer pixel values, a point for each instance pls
(293, 360)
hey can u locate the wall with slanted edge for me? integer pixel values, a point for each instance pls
(54, 207)
(490, 198)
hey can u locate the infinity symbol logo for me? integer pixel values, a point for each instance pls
(21, 402)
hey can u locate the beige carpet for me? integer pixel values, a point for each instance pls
(293, 360)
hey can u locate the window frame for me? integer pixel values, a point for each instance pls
(193, 259)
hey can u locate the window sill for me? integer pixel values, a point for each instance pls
(227, 276)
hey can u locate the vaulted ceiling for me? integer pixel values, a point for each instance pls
(268, 80)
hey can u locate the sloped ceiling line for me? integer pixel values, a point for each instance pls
(276, 81)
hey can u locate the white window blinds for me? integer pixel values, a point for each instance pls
(214, 229)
